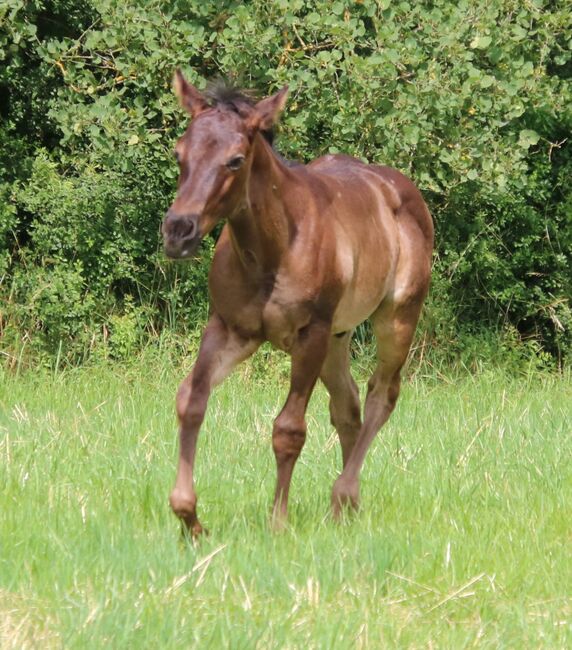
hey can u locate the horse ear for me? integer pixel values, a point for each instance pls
(189, 97)
(266, 111)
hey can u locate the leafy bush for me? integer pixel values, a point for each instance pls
(471, 100)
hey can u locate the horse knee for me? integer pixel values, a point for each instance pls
(288, 437)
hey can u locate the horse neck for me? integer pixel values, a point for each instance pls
(261, 231)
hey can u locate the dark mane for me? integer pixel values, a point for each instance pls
(223, 93)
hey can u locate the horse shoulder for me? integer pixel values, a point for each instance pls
(235, 296)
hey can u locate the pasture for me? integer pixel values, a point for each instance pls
(464, 538)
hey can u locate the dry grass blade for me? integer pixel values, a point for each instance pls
(205, 563)
(413, 582)
(458, 593)
(201, 565)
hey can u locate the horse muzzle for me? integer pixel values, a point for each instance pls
(181, 235)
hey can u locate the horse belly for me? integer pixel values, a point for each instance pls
(367, 275)
(354, 308)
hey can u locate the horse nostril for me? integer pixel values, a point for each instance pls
(192, 229)
(180, 226)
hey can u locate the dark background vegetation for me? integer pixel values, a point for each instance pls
(472, 100)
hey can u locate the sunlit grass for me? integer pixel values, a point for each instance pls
(464, 536)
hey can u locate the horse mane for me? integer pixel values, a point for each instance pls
(223, 93)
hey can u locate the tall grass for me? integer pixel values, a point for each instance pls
(463, 539)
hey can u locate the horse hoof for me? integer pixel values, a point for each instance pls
(193, 532)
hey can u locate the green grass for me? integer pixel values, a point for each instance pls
(464, 538)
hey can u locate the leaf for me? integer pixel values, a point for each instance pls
(519, 33)
(480, 42)
(527, 69)
(528, 138)
(133, 140)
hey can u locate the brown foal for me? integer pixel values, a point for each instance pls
(307, 253)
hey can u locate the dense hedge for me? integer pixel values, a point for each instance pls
(472, 100)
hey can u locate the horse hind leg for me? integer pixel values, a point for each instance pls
(345, 413)
(393, 328)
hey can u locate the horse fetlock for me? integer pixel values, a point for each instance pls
(278, 519)
(345, 495)
(184, 505)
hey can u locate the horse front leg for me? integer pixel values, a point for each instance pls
(221, 349)
(289, 432)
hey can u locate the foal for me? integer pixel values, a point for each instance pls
(307, 253)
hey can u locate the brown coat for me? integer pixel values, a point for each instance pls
(307, 253)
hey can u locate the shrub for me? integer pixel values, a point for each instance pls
(471, 100)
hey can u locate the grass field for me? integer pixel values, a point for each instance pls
(464, 538)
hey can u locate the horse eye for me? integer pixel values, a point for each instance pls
(177, 156)
(235, 163)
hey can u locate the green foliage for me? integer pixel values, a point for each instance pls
(91, 265)
(471, 100)
(462, 540)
